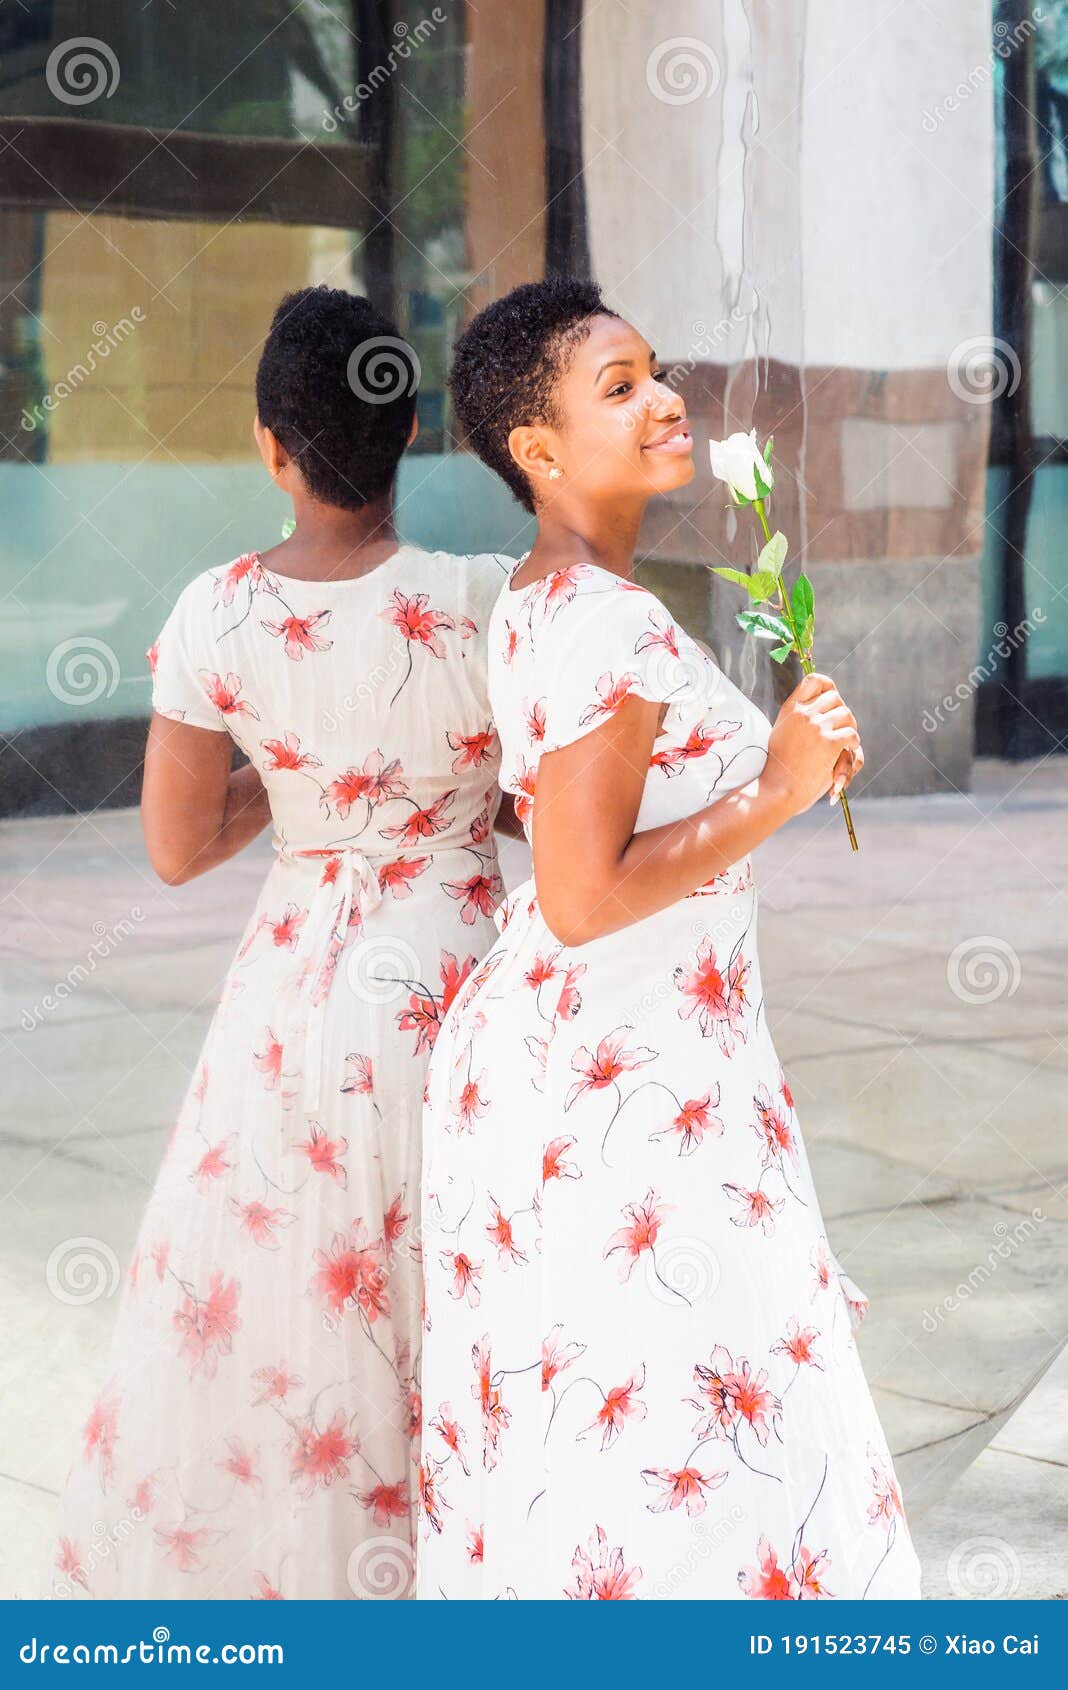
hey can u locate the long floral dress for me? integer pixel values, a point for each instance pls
(258, 1434)
(639, 1373)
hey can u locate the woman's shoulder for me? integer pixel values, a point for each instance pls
(584, 600)
(487, 571)
(478, 573)
(230, 601)
(192, 604)
(583, 639)
(463, 584)
(220, 587)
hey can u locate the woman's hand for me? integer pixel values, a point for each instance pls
(195, 813)
(815, 745)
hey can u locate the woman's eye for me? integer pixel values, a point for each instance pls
(620, 387)
(660, 375)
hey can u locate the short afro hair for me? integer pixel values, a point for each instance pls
(507, 362)
(336, 386)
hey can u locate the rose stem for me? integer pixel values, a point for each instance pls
(806, 664)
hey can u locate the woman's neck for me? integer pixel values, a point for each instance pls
(575, 533)
(332, 544)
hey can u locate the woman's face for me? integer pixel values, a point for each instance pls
(623, 432)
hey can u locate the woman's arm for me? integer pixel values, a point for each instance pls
(194, 812)
(594, 874)
(506, 821)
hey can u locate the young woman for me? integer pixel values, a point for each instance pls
(639, 1376)
(258, 1434)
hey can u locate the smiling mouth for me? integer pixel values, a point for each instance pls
(679, 441)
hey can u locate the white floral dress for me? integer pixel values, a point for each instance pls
(258, 1434)
(639, 1373)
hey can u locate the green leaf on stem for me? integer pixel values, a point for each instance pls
(759, 586)
(803, 600)
(763, 490)
(782, 652)
(765, 627)
(805, 636)
(767, 450)
(763, 584)
(773, 555)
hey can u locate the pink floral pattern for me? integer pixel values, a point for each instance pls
(258, 1434)
(639, 1367)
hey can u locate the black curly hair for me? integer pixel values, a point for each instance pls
(507, 362)
(336, 386)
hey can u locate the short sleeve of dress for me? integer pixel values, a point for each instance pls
(609, 642)
(479, 577)
(178, 685)
(483, 576)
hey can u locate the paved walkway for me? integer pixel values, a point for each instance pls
(917, 997)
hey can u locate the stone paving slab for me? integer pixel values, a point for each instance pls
(1002, 1530)
(930, 1093)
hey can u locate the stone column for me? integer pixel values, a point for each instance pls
(794, 202)
(505, 149)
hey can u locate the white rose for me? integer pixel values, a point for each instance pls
(736, 461)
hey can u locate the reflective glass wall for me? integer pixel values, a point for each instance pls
(808, 238)
(169, 174)
(1024, 699)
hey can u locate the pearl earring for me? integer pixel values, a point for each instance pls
(555, 473)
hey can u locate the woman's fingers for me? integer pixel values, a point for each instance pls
(811, 686)
(839, 716)
(846, 769)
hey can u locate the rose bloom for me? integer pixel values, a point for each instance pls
(737, 461)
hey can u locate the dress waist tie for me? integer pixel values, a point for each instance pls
(354, 886)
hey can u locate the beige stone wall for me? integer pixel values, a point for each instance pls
(505, 149)
(178, 383)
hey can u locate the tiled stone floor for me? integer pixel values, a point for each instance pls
(930, 1081)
